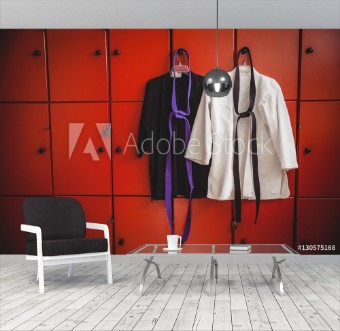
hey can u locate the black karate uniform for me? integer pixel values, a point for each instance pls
(154, 132)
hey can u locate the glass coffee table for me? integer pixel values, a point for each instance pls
(279, 252)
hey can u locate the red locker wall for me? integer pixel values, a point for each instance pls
(274, 224)
(135, 57)
(130, 173)
(320, 62)
(210, 222)
(23, 65)
(319, 225)
(77, 65)
(319, 145)
(25, 152)
(51, 79)
(274, 54)
(201, 45)
(138, 221)
(81, 148)
(12, 240)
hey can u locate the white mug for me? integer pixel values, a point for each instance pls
(173, 241)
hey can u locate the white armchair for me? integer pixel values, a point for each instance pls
(55, 234)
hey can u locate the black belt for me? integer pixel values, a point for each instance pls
(253, 146)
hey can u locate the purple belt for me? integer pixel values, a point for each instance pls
(180, 114)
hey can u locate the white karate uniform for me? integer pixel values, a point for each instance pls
(213, 134)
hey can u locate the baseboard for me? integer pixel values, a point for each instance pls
(196, 258)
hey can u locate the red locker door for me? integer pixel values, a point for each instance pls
(319, 149)
(210, 223)
(22, 65)
(275, 54)
(291, 105)
(81, 148)
(130, 173)
(25, 166)
(12, 240)
(274, 224)
(139, 221)
(201, 45)
(319, 225)
(135, 57)
(320, 65)
(77, 65)
(97, 210)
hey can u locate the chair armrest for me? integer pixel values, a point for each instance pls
(99, 226)
(30, 228)
(37, 230)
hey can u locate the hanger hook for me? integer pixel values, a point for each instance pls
(245, 60)
(178, 59)
(245, 51)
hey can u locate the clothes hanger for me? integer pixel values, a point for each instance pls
(179, 68)
(245, 68)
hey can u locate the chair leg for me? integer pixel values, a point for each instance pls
(70, 270)
(41, 276)
(109, 269)
(37, 274)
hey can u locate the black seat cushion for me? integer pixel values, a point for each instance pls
(68, 246)
(58, 217)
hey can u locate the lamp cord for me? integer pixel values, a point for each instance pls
(216, 33)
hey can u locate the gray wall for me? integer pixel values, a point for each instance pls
(169, 13)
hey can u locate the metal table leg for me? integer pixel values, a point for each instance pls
(213, 274)
(216, 269)
(148, 263)
(277, 270)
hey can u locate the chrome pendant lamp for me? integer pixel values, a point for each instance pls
(217, 82)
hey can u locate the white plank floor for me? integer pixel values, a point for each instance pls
(245, 298)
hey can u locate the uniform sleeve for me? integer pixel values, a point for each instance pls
(144, 133)
(200, 143)
(276, 115)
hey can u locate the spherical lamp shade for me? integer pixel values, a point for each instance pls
(217, 83)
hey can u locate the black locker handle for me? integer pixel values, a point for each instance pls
(245, 50)
(116, 52)
(37, 52)
(309, 50)
(41, 150)
(121, 242)
(101, 149)
(307, 150)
